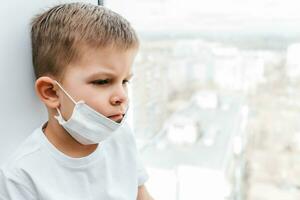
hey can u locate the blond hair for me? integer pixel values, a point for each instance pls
(58, 34)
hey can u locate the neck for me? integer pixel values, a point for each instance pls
(64, 142)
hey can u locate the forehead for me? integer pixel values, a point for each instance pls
(103, 60)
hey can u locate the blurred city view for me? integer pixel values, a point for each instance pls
(216, 98)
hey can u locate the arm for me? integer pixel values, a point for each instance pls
(143, 193)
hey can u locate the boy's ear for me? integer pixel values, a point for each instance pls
(46, 89)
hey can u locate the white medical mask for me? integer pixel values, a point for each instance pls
(86, 125)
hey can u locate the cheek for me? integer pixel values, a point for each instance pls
(99, 102)
(66, 108)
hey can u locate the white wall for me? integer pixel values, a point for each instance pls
(20, 110)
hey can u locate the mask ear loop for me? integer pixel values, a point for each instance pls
(65, 92)
(59, 117)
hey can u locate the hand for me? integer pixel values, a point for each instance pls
(143, 194)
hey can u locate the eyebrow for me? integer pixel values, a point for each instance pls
(107, 73)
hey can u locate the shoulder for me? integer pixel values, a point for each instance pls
(23, 155)
(15, 184)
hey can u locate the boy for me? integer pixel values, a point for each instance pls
(82, 58)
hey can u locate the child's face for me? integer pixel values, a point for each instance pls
(100, 78)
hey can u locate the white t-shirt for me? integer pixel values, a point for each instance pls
(37, 170)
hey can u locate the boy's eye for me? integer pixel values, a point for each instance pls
(101, 82)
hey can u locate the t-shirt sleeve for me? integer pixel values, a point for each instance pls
(142, 173)
(12, 188)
